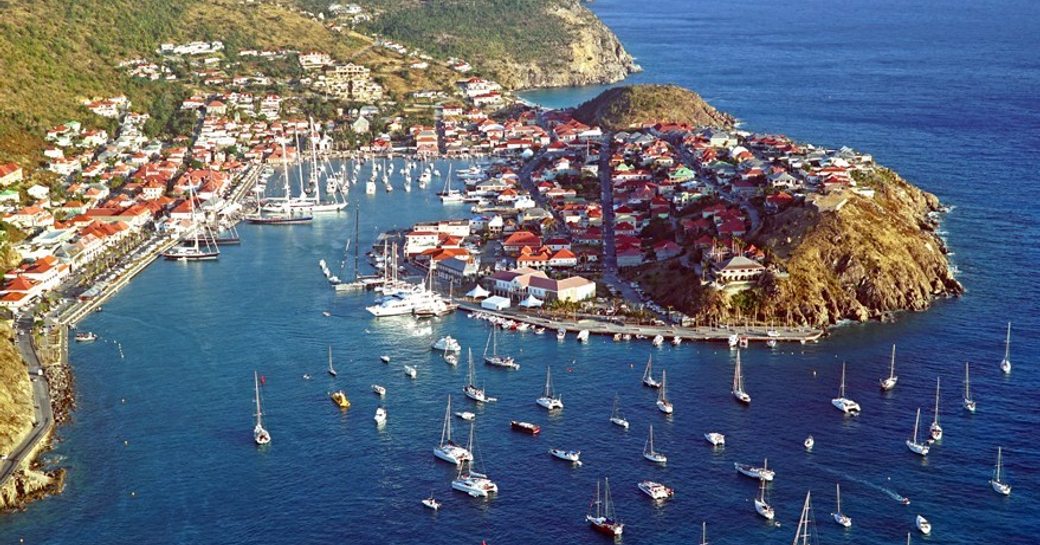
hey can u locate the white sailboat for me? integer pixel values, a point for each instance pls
(935, 429)
(450, 195)
(332, 370)
(738, 383)
(446, 449)
(761, 473)
(663, 404)
(762, 507)
(494, 359)
(616, 417)
(260, 435)
(890, 382)
(648, 374)
(969, 402)
(470, 481)
(803, 534)
(843, 403)
(550, 400)
(912, 444)
(839, 517)
(200, 244)
(648, 450)
(470, 389)
(1005, 364)
(1000, 486)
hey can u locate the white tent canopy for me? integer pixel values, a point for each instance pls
(478, 293)
(531, 301)
(495, 303)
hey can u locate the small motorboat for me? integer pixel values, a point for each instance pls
(447, 344)
(676, 340)
(716, 439)
(326, 313)
(809, 443)
(380, 416)
(561, 334)
(583, 336)
(617, 337)
(379, 390)
(655, 490)
(384, 359)
(923, 525)
(658, 340)
(525, 427)
(568, 455)
(86, 337)
(432, 503)
(466, 415)
(410, 371)
(539, 330)
(451, 359)
(340, 399)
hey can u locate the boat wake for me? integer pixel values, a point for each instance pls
(884, 490)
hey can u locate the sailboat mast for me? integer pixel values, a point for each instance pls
(801, 535)
(837, 491)
(314, 161)
(256, 386)
(446, 428)
(357, 214)
(937, 379)
(1007, 343)
(285, 170)
(841, 390)
(967, 382)
(996, 471)
(917, 422)
(892, 366)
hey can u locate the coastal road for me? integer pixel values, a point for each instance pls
(43, 417)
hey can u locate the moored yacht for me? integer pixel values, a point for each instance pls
(935, 430)
(447, 449)
(616, 417)
(648, 450)
(447, 344)
(471, 390)
(648, 374)
(762, 506)
(550, 400)
(889, 382)
(761, 473)
(738, 383)
(656, 490)
(495, 359)
(1000, 486)
(663, 403)
(716, 439)
(260, 434)
(839, 517)
(969, 402)
(568, 455)
(1005, 364)
(601, 514)
(923, 525)
(380, 416)
(478, 485)
(912, 444)
(843, 403)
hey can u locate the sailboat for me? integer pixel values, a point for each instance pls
(648, 450)
(549, 399)
(1005, 364)
(803, 534)
(935, 429)
(470, 389)
(332, 370)
(615, 415)
(285, 213)
(648, 374)
(446, 449)
(663, 404)
(843, 403)
(969, 402)
(839, 517)
(1000, 486)
(201, 246)
(912, 444)
(470, 481)
(601, 513)
(260, 435)
(762, 506)
(738, 383)
(890, 382)
(449, 195)
(494, 359)
(761, 473)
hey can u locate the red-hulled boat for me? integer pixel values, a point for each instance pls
(526, 427)
(601, 513)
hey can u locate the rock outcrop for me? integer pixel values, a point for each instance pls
(623, 108)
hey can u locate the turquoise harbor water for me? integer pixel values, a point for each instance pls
(946, 97)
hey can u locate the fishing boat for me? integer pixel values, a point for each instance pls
(843, 403)
(923, 525)
(969, 402)
(447, 344)
(716, 439)
(410, 371)
(86, 337)
(738, 383)
(340, 399)
(762, 506)
(839, 517)
(648, 374)
(663, 404)
(466, 415)
(658, 341)
(550, 400)
(260, 434)
(525, 427)
(332, 370)
(1005, 364)
(380, 416)
(583, 336)
(616, 417)
(447, 449)
(568, 455)
(648, 450)
(432, 503)
(379, 390)
(912, 444)
(656, 490)
(761, 473)
(809, 443)
(495, 359)
(803, 534)
(935, 430)
(601, 514)
(477, 485)
(470, 389)
(890, 382)
(1000, 486)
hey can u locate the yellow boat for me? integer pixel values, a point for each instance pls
(340, 399)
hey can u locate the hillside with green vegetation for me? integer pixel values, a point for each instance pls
(631, 106)
(520, 43)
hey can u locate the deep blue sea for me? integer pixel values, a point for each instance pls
(160, 448)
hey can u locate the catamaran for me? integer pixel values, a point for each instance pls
(969, 402)
(616, 417)
(470, 389)
(260, 435)
(663, 404)
(656, 490)
(470, 481)
(494, 359)
(935, 429)
(912, 444)
(738, 383)
(602, 517)
(648, 374)
(761, 473)
(1005, 364)
(332, 370)
(1000, 486)
(803, 534)
(839, 517)
(890, 382)
(446, 449)
(550, 400)
(843, 403)
(762, 506)
(648, 450)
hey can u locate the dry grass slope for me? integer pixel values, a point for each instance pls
(630, 106)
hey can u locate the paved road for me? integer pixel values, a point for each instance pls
(43, 417)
